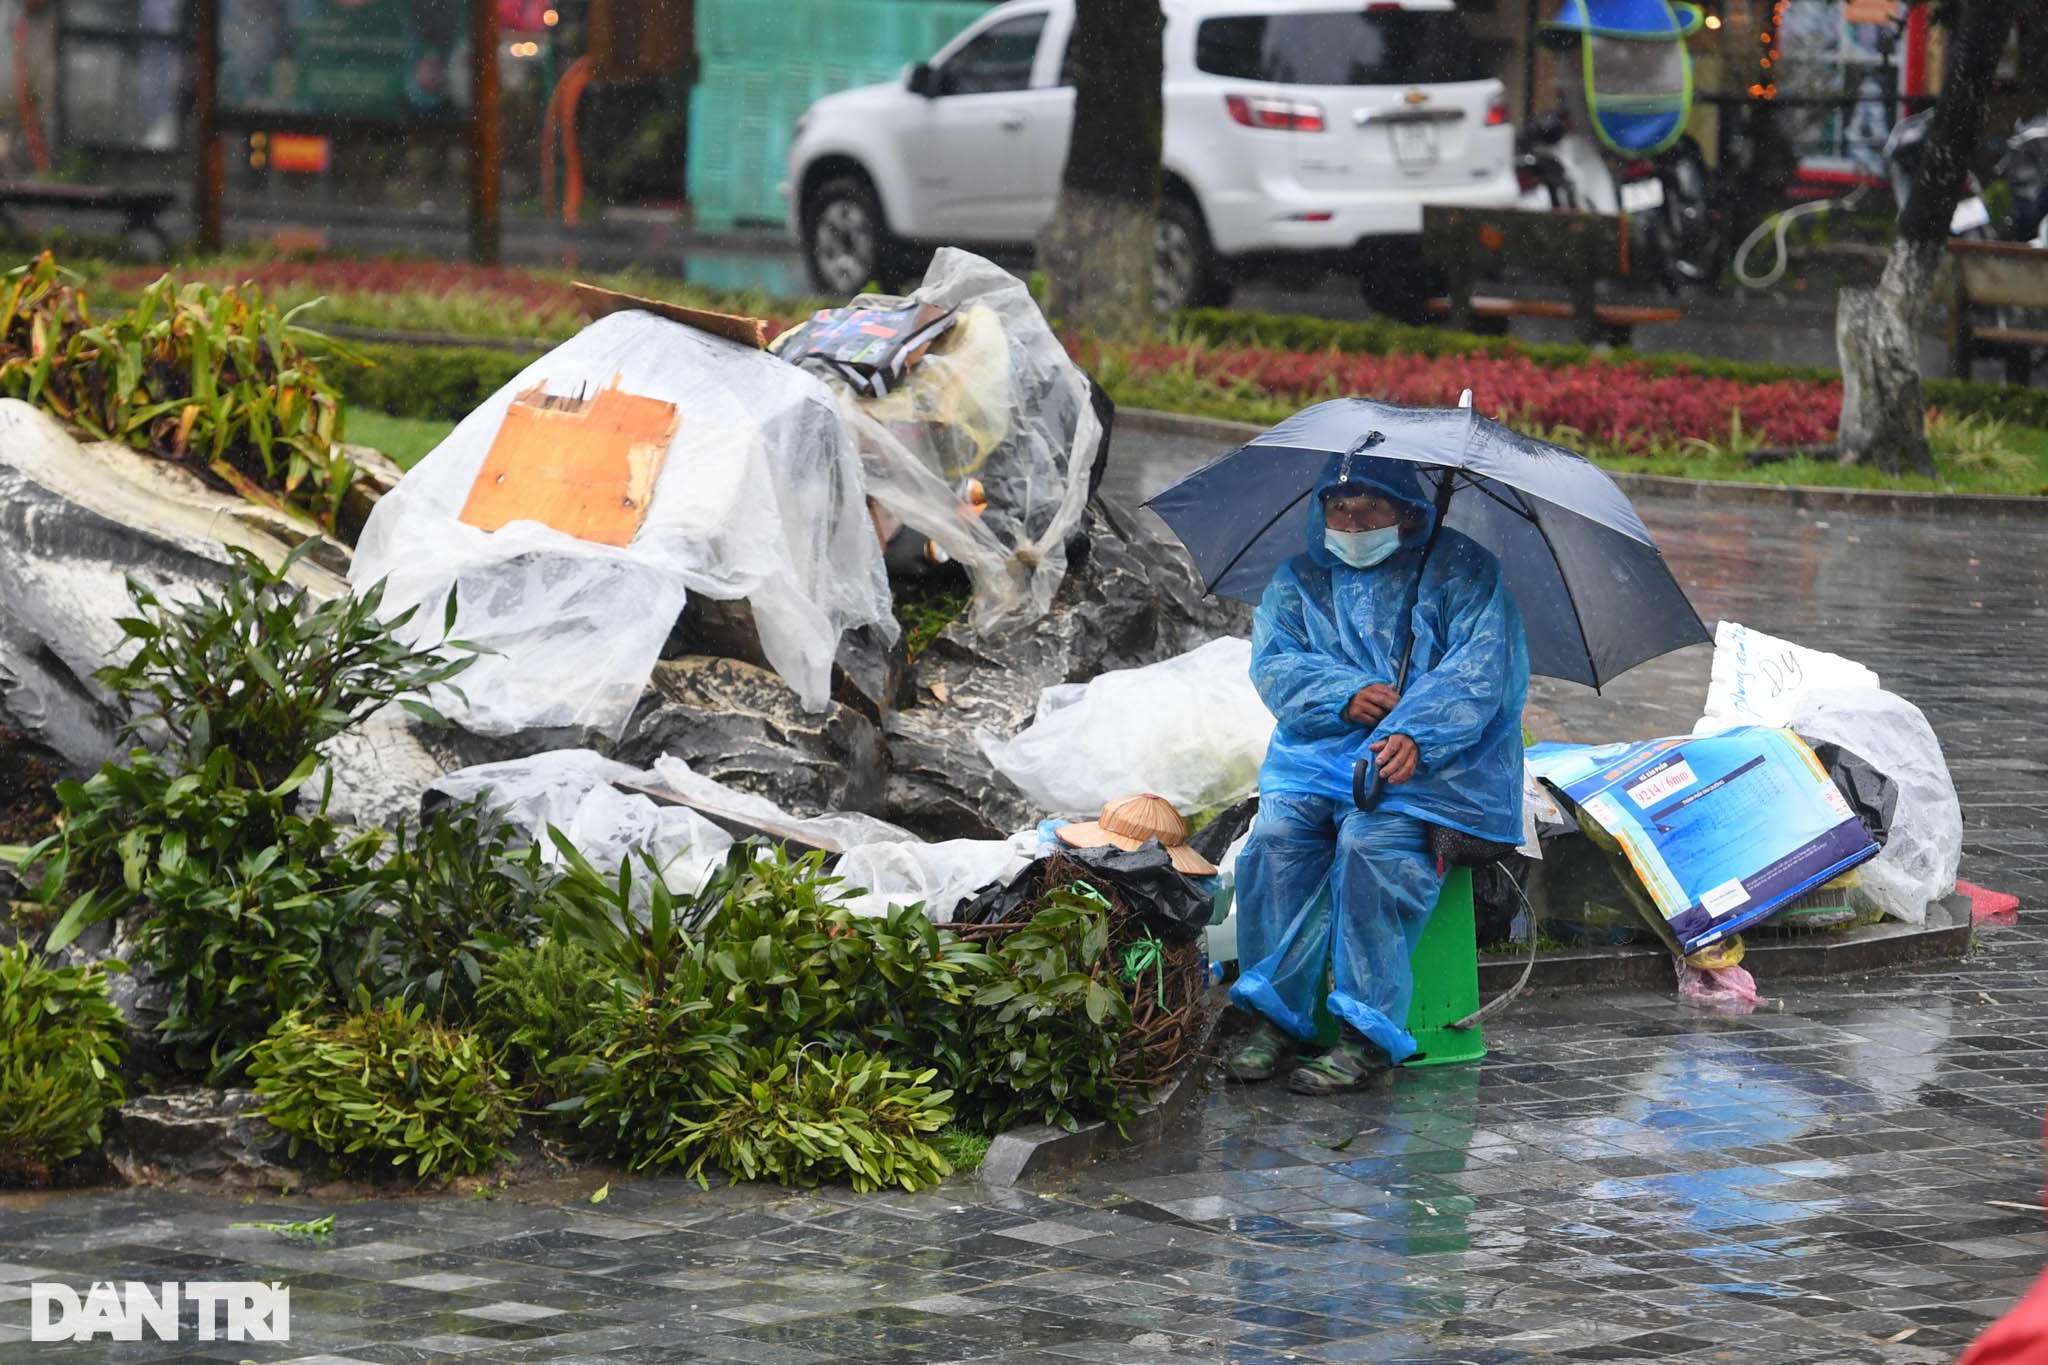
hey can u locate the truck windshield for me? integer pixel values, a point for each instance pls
(1370, 46)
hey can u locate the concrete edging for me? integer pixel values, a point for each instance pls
(1799, 497)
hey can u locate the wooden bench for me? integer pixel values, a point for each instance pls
(139, 209)
(1580, 250)
(1997, 275)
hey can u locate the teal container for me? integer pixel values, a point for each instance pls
(761, 63)
(1445, 965)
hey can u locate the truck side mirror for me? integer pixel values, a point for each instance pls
(924, 81)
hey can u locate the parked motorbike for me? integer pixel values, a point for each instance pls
(1902, 150)
(2023, 165)
(1618, 143)
(1675, 222)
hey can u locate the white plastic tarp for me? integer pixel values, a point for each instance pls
(1925, 845)
(571, 790)
(1758, 679)
(996, 400)
(1190, 729)
(760, 497)
(940, 876)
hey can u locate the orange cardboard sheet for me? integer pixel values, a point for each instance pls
(732, 326)
(584, 466)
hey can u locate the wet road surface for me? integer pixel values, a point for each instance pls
(1855, 1176)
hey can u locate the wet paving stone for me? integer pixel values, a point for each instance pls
(1621, 1178)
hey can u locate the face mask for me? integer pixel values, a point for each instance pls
(1362, 549)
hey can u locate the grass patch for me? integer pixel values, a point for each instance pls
(924, 610)
(405, 439)
(963, 1148)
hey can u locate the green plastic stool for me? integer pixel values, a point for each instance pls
(1445, 965)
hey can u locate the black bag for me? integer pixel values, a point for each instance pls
(1166, 900)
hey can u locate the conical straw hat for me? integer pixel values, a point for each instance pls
(1129, 821)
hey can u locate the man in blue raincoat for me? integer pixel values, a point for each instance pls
(1327, 645)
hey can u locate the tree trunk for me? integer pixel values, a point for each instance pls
(1096, 253)
(1877, 331)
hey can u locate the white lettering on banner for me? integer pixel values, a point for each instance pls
(255, 1311)
(1666, 781)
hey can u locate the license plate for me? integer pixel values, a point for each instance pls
(1638, 195)
(1414, 144)
(1969, 215)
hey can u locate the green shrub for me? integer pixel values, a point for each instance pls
(1046, 1032)
(800, 1119)
(60, 1040)
(442, 382)
(630, 920)
(536, 1001)
(216, 379)
(456, 893)
(386, 1086)
(248, 907)
(264, 674)
(643, 1080)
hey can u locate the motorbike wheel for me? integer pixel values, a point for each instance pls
(1692, 245)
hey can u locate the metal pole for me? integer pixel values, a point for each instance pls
(1529, 62)
(485, 132)
(209, 171)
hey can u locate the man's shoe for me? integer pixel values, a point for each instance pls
(1259, 1058)
(1353, 1064)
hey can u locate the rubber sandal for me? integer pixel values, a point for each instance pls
(1259, 1058)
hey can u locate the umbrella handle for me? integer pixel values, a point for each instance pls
(1367, 785)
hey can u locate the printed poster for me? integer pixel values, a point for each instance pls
(1722, 829)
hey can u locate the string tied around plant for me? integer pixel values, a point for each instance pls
(1143, 955)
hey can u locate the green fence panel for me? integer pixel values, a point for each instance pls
(761, 63)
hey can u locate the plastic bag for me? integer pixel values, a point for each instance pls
(998, 401)
(1925, 844)
(834, 832)
(571, 790)
(1190, 729)
(760, 497)
(880, 875)
(1731, 990)
(1759, 679)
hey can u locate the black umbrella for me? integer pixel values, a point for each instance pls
(1595, 595)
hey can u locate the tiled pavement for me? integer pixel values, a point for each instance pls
(1856, 1176)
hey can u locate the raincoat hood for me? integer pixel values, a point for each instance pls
(1359, 472)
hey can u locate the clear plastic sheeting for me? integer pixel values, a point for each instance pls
(996, 401)
(1190, 729)
(1758, 679)
(1918, 861)
(571, 790)
(938, 876)
(834, 830)
(760, 496)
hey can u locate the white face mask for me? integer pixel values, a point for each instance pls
(1362, 549)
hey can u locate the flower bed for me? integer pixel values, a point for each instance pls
(1620, 407)
(439, 297)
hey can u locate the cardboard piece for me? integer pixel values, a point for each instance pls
(732, 326)
(584, 466)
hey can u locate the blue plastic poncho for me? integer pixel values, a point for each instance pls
(1325, 630)
(1330, 892)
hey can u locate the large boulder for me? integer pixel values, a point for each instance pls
(1130, 598)
(198, 1134)
(740, 724)
(75, 522)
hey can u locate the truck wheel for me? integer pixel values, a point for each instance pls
(847, 243)
(1184, 267)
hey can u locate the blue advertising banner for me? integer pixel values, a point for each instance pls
(1722, 829)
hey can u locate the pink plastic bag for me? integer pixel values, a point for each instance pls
(1729, 989)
